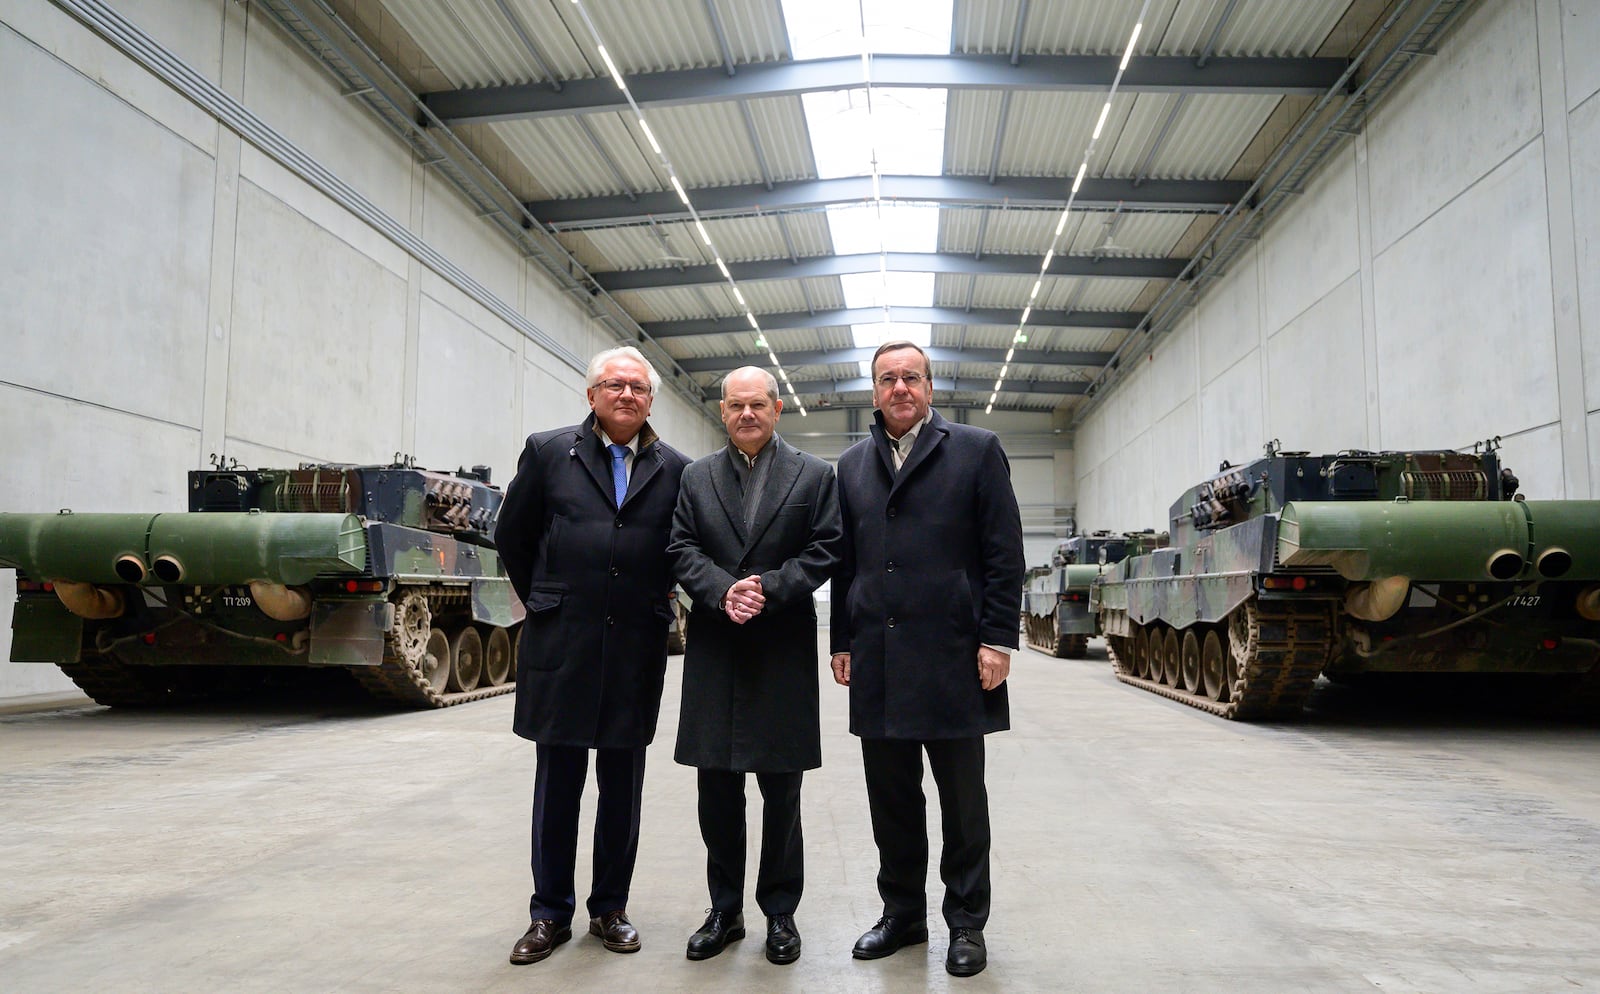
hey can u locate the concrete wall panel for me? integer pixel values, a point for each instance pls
(1174, 458)
(1584, 135)
(1315, 370)
(476, 245)
(552, 395)
(1232, 422)
(1308, 256)
(74, 201)
(1171, 372)
(304, 199)
(1229, 317)
(318, 350)
(465, 395)
(1580, 38)
(1477, 104)
(1463, 305)
(290, 93)
(194, 26)
(1535, 456)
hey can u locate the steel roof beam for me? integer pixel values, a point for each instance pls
(1204, 196)
(937, 353)
(948, 384)
(957, 71)
(844, 317)
(1116, 268)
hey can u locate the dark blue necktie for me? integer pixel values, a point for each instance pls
(619, 471)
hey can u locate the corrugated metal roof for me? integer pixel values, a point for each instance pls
(1172, 27)
(1206, 138)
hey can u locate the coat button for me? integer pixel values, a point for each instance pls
(891, 512)
(615, 571)
(619, 522)
(891, 622)
(890, 567)
(610, 621)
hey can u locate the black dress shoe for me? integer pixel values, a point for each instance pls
(888, 936)
(783, 939)
(720, 929)
(542, 936)
(615, 931)
(968, 955)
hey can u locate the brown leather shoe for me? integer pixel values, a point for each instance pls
(542, 936)
(616, 931)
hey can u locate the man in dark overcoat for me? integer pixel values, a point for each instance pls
(755, 533)
(925, 606)
(583, 533)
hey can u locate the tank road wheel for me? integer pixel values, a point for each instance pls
(1189, 661)
(435, 663)
(1170, 660)
(1057, 642)
(1214, 663)
(1242, 646)
(466, 660)
(413, 623)
(1141, 653)
(496, 657)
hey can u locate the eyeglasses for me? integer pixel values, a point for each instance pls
(615, 387)
(911, 380)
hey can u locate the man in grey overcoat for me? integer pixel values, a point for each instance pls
(925, 606)
(755, 532)
(583, 533)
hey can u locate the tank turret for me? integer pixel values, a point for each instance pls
(1056, 612)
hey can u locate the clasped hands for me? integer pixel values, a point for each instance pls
(744, 600)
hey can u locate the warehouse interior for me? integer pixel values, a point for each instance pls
(1138, 239)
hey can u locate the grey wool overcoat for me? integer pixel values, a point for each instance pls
(932, 568)
(750, 691)
(592, 656)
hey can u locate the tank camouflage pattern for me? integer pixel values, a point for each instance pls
(1055, 604)
(388, 572)
(1300, 565)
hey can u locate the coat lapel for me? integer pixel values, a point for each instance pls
(592, 453)
(726, 484)
(780, 481)
(929, 438)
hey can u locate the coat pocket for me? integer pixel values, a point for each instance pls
(543, 625)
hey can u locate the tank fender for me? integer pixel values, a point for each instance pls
(494, 602)
(1424, 540)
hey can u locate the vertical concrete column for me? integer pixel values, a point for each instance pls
(1563, 250)
(1369, 318)
(408, 415)
(224, 243)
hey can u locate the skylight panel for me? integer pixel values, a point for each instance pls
(841, 132)
(820, 29)
(908, 130)
(870, 336)
(887, 289)
(857, 230)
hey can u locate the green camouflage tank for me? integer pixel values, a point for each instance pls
(1055, 603)
(1297, 565)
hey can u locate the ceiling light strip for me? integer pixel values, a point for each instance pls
(683, 195)
(1072, 196)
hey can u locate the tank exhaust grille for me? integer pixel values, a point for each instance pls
(314, 493)
(1445, 485)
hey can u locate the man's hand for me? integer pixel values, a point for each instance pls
(744, 599)
(993, 667)
(841, 668)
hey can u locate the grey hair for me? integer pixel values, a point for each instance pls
(622, 352)
(772, 381)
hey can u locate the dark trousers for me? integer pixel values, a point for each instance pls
(900, 826)
(781, 876)
(557, 789)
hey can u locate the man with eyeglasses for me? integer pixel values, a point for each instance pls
(925, 605)
(756, 531)
(583, 533)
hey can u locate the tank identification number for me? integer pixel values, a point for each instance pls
(1524, 600)
(230, 599)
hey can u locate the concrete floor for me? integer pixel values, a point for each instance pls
(1140, 846)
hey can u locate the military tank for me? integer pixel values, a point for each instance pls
(1299, 565)
(387, 572)
(1055, 605)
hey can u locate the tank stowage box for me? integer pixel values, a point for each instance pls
(1362, 562)
(387, 571)
(1055, 604)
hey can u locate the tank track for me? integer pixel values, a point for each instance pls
(398, 682)
(1054, 644)
(114, 684)
(1279, 649)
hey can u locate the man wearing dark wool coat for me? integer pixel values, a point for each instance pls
(925, 607)
(756, 531)
(583, 534)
